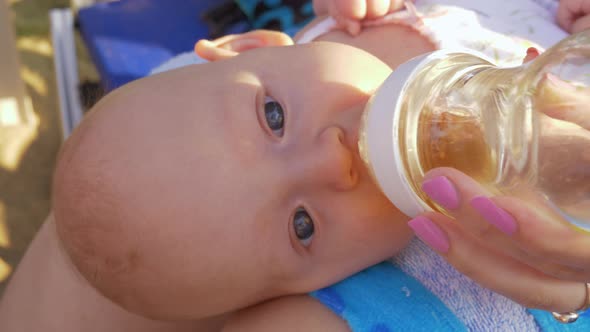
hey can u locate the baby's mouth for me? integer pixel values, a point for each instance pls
(353, 132)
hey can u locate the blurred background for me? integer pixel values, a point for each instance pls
(29, 139)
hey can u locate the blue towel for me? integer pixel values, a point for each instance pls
(383, 298)
(419, 291)
(479, 308)
(548, 323)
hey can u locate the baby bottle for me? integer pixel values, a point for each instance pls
(520, 131)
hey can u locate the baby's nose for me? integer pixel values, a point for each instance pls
(332, 162)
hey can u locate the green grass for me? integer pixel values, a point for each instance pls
(32, 16)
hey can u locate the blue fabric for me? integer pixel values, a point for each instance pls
(289, 15)
(480, 309)
(382, 298)
(127, 39)
(548, 324)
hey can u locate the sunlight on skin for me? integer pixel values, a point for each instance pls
(18, 122)
(4, 234)
(5, 270)
(9, 112)
(18, 129)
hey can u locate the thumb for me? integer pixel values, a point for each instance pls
(564, 101)
(581, 24)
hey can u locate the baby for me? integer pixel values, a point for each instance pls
(225, 174)
(194, 193)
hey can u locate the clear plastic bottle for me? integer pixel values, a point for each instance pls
(521, 131)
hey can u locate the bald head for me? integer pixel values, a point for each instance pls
(93, 222)
(144, 196)
(175, 199)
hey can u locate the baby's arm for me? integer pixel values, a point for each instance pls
(287, 314)
(46, 293)
(574, 15)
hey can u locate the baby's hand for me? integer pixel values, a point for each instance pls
(349, 13)
(572, 15)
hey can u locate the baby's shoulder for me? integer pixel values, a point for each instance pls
(289, 313)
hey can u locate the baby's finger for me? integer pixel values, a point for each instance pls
(492, 269)
(320, 7)
(377, 8)
(348, 14)
(353, 27)
(348, 9)
(395, 5)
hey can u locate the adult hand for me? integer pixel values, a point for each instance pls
(520, 249)
(574, 15)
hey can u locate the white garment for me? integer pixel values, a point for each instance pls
(502, 30)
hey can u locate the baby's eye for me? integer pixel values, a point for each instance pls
(275, 117)
(303, 226)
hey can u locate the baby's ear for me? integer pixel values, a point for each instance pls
(232, 45)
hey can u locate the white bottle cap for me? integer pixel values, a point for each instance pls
(382, 141)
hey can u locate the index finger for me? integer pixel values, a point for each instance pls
(523, 225)
(543, 234)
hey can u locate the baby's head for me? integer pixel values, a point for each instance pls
(209, 188)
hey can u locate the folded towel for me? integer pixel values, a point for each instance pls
(419, 291)
(383, 298)
(480, 309)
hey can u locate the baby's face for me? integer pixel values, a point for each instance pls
(233, 182)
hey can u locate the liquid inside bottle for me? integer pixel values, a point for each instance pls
(522, 131)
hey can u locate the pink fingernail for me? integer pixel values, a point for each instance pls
(532, 51)
(494, 215)
(430, 233)
(442, 191)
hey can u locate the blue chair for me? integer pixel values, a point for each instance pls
(127, 39)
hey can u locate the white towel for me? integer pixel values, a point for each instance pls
(479, 308)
